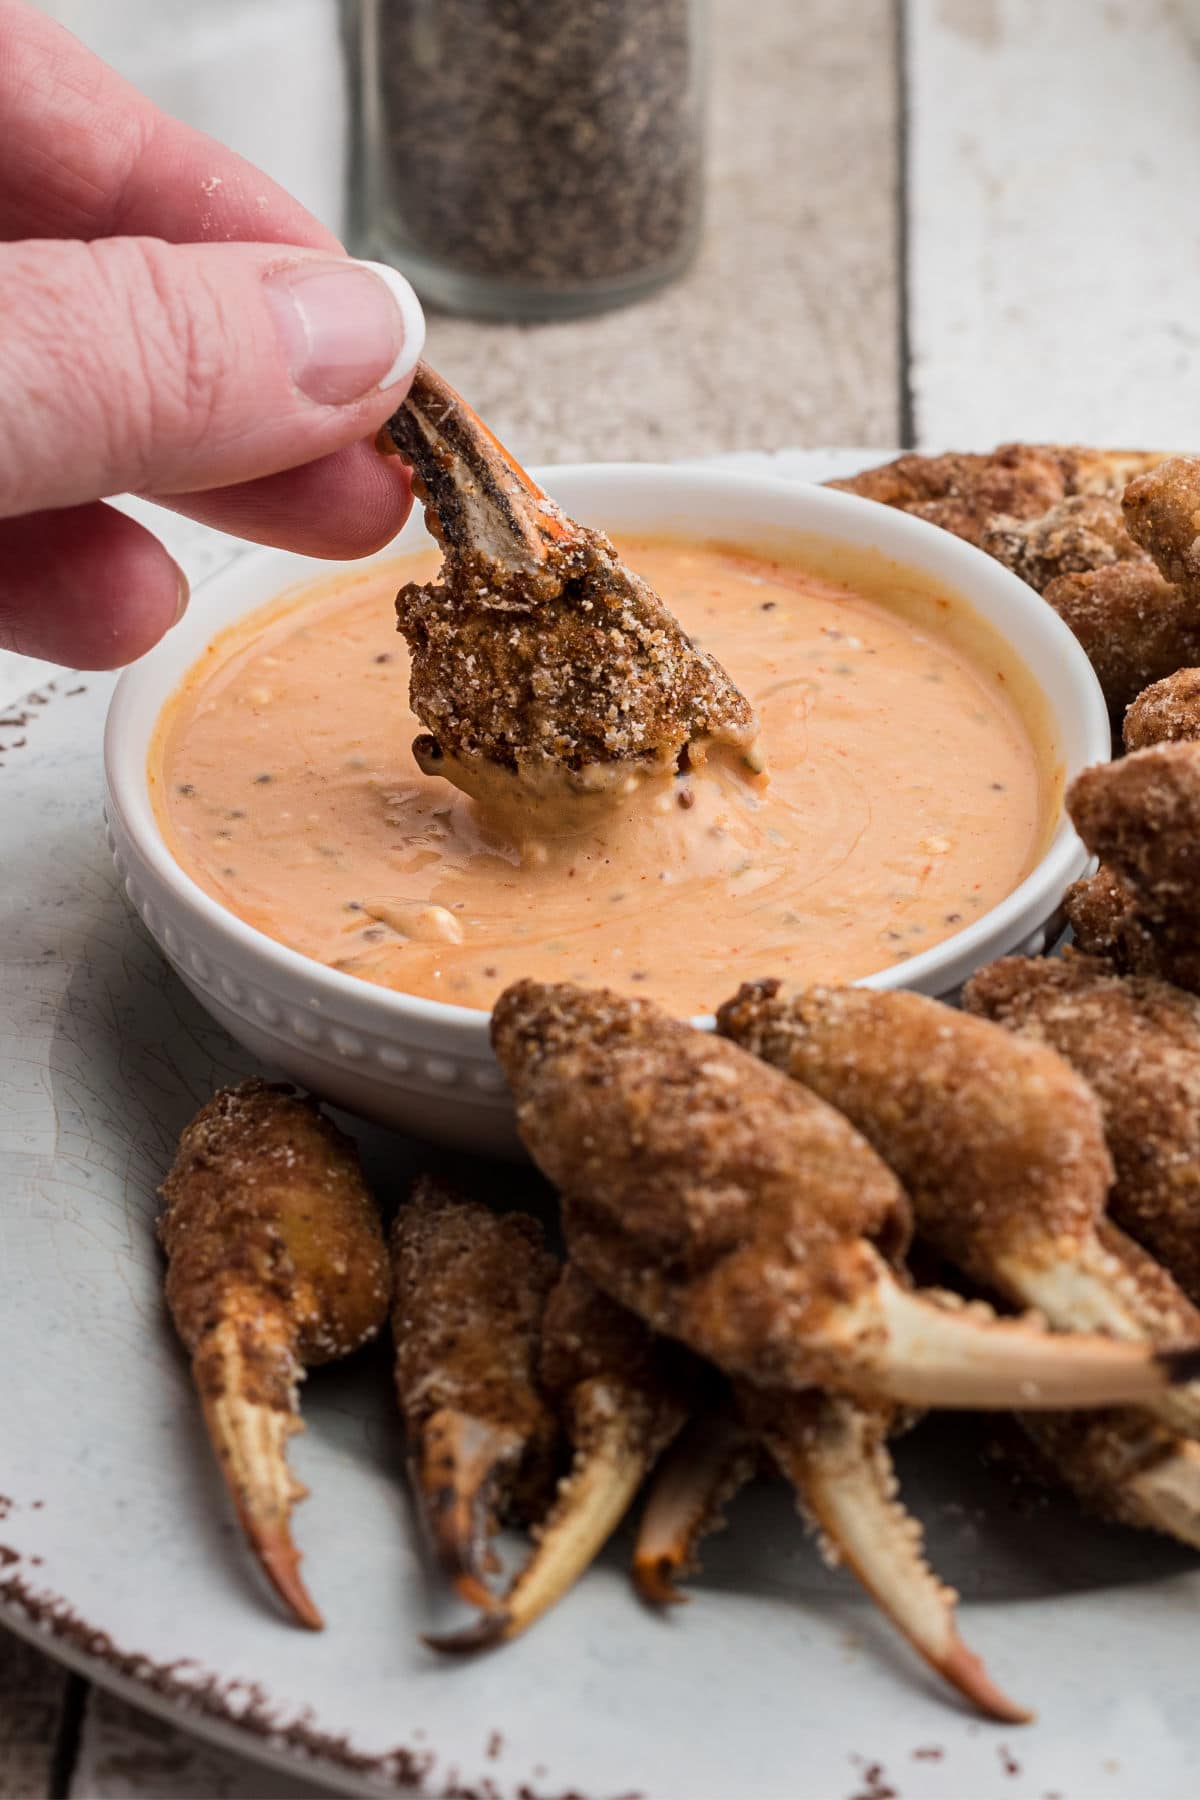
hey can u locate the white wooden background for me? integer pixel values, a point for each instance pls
(940, 222)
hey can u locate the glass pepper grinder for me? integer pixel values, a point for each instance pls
(532, 159)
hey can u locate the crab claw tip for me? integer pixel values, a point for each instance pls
(932, 1354)
(966, 1672)
(483, 1634)
(456, 1464)
(250, 1437)
(280, 1562)
(702, 1471)
(474, 1592)
(834, 1453)
(653, 1577)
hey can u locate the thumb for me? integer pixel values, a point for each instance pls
(133, 364)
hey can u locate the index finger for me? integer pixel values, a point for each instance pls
(84, 155)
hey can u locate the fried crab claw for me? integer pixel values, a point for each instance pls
(1001, 1148)
(1113, 568)
(470, 1288)
(988, 497)
(621, 1396)
(833, 1452)
(734, 1210)
(1160, 506)
(537, 655)
(1167, 711)
(276, 1262)
(1141, 817)
(1136, 1042)
(1123, 1467)
(503, 1351)
(713, 1459)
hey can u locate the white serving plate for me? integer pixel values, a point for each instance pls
(425, 1066)
(777, 1683)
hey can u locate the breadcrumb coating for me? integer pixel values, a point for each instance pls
(536, 649)
(965, 492)
(1104, 917)
(1141, 816)
(987, 1136)
(471, 1288)
(702, 1189)
(1084, 531)
(1136, 1042)
(1162, 512)
(1134, 626)
(266, 1197)
(970, 492)
(1166, 712)
(1052, 514)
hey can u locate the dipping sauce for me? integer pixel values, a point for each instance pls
(907, 793)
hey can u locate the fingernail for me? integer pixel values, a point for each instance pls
(183, 595)
(347, 328)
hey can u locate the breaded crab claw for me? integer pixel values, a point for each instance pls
(833, 1452)
(541, 665)
(496, 1370)
(1001, 1148)
(1141, 817)
(1168, 711)
(734, 1210)
(979, 494)
(509, 1367)
(1053, 514)
(1136, 1042)
(708, 1464)
(1124, 1467)
(1133, 625)
(1160, 506)
(470, 1288)
(276, 1262)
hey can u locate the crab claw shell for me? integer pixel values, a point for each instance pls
(247, 1375)
(456, 1465)
(617, 1437)
(832, 1451)
(698, 1477)
(1166, 1496)
(1124, 1466)
(478, 498)
(1110, 1284)
(927, 1349)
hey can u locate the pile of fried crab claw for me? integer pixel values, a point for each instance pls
(731, 1287)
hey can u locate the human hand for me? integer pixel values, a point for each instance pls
(172, 323)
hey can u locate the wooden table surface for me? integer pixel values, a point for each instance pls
(945, 222)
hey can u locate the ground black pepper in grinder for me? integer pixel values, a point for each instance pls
(534, 158)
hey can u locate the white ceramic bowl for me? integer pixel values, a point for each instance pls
(422, 1065)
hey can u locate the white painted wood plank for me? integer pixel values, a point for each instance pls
(216, 64)
(1054, 235)
(786, 330)
(130, 1755)
(31, 1697)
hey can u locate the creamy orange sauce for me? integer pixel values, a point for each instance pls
(904, 797)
